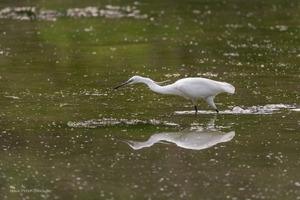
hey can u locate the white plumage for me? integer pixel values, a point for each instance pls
(190, 88)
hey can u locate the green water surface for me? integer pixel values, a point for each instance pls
(56, 78)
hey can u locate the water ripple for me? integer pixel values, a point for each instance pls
(94, 123)
(33, 13)
(267, 109)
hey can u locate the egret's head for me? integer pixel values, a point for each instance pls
(132, 80)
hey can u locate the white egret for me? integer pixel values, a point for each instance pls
(190, 88)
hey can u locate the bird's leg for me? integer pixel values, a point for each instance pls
(210, 101)
(195, 106)
(196, 109)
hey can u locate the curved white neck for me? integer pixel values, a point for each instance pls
(157, 88)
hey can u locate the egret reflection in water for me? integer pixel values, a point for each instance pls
(195, 137)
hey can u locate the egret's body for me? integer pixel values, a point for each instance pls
(189, 88)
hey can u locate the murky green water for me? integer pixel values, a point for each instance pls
(65, 134)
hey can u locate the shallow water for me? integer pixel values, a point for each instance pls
(65, 134)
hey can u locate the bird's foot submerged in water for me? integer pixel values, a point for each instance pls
(196, 110)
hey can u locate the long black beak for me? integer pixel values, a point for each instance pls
(123, 84)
